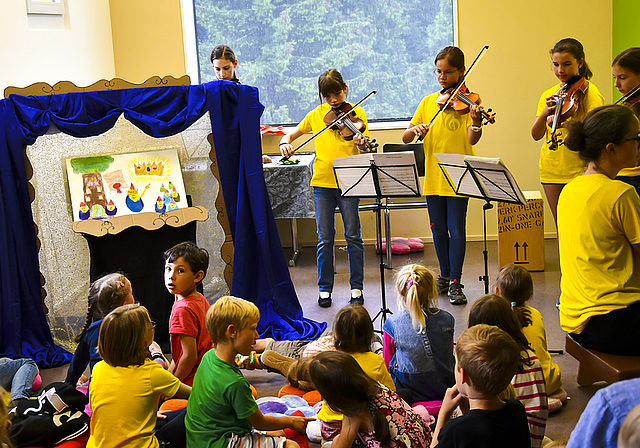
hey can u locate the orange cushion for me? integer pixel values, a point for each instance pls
(173, 405)
(311, 397)
(290, 390)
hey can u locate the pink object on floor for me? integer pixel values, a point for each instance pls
(402, 246)
(37, 382)
(433, 407)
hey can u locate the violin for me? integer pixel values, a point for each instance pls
(370, 145)
(632, 99)
(455, 96)
(568, 99)
(463, 101)
(343, 119)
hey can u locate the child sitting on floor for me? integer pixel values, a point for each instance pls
(486, 360)
(528, 380)
(515, 284)
(126, 385)
(418, 342)
(221, 411)
(185, 266)
(105, 295)
(373, 414)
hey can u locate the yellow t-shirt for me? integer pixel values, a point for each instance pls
(598, 221)
(630, 172)
(124, 401)
(329, 146)
(373, 365)
(562, 165)
(537, 337)
(447, 135)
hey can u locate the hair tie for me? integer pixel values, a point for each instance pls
(121, 284)
(513, 304)
(410, 283)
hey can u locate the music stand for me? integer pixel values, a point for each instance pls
(378, 175)
(482, 178)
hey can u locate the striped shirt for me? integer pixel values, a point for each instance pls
(532, 392)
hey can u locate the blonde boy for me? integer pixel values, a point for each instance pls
(221, 409)
(486, 360)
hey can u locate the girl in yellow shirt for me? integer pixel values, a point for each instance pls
(626, 72)
(559, 166)
(451, 133)
(326, 192)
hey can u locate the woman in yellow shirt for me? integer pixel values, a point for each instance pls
(599, 235)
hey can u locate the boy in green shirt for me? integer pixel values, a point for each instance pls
(221, 411)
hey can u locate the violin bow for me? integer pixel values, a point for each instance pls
(340, 117)
(454, 94)
(629, 94)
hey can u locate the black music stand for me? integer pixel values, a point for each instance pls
(482, 178)
(377, 175)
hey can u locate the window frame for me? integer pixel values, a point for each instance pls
(191, 57)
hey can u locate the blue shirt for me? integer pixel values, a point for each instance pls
(601, 420)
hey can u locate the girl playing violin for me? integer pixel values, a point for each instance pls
(451, 133)
(224, 62)
(559, 166)
(626, 72)
(326, 193)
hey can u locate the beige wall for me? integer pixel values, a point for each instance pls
(512, 75)
(36, 48)
(147, 39)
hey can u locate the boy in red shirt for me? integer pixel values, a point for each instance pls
(186, 265)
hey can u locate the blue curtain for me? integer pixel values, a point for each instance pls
(260, 271)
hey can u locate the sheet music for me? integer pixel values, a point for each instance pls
(496, 181)
(459, 175)
(394, 169)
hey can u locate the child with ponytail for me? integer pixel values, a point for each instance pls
(105, 294)
(418, 341)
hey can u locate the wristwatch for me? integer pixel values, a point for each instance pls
(476, 128)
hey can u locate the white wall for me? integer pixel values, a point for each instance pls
(76, 48)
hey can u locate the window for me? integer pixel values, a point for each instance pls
(282, 46)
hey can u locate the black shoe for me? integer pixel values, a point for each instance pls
(442, 286)
(324, 302)
(456, 296)
(357, 300)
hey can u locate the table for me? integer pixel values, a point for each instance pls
(290, 193)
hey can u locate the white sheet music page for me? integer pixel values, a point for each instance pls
(397, 174)
(458, 174)
(350, 171)
(496, 179)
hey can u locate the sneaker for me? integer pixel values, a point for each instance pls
(442, 285)
(275, 362)
(456, 296)
(324, 302)
(356, 297)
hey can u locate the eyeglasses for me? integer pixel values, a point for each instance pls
(153, 325)
(447, 74)
(636, 138)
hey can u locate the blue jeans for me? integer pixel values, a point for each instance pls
(326, 200)
(17, 375)
(448, 216)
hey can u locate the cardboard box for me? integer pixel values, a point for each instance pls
(521, 232)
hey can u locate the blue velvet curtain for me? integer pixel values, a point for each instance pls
(260, 271)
